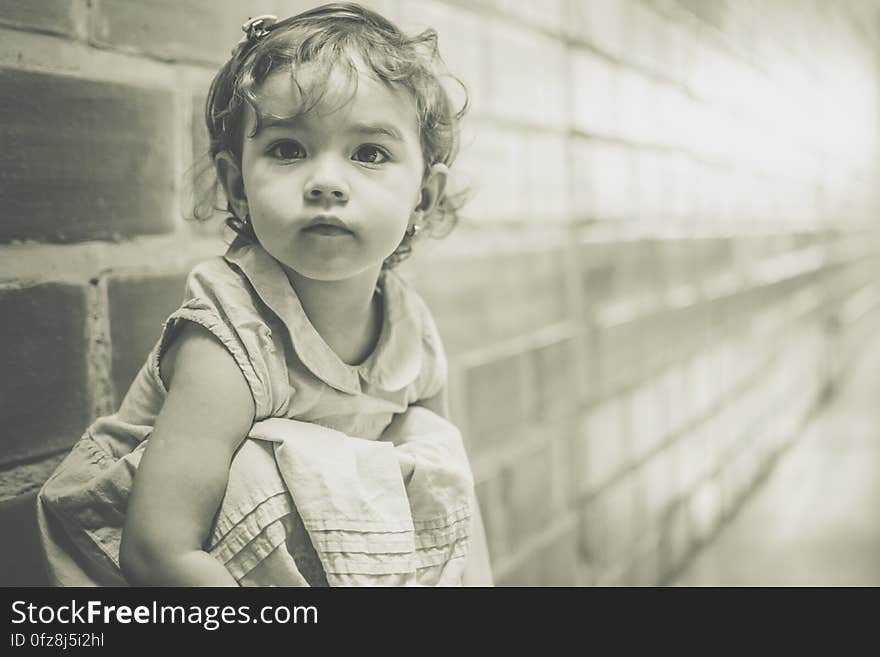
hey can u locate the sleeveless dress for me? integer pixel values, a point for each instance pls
(314, 495)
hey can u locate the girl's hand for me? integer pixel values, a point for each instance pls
(396, 432)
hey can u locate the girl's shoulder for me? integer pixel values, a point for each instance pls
(413, 304)
(223, 286)
(220, 298)
(434, 369)
(215, 276)
(407, 293)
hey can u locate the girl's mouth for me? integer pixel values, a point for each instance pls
(326, 229)
(327, 225)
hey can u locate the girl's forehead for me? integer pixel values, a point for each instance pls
(338, 93)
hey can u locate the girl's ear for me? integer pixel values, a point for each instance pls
(433, 186)
(229, 175)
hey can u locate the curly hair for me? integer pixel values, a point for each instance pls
(332, 36)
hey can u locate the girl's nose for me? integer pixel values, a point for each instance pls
(326, 185)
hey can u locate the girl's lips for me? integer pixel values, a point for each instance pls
(327, 230)
(327, 225)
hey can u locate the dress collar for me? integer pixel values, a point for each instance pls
(394, 363)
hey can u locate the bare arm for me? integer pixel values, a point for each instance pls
(182, 476)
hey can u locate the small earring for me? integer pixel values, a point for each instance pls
(413, 230)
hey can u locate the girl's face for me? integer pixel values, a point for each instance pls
(331, 192)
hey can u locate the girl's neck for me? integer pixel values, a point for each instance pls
(345, 313)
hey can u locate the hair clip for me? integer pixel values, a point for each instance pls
(256, 28)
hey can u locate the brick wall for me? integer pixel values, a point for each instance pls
(669, 258)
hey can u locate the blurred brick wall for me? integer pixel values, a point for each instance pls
(670, 255)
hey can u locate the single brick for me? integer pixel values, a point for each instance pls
(706, 509)
(583, 202)
(604, 180)
(83, 159)
(609, 524)
(713, 12)
(527, 487)
(685, 331)
(644, 418)
(640, 270)
(686, 457)
(705, 386)
(676, 48)
(594, 89)
(591, 363)
(649, 43)
(138, 308)
(598, 273)
(635, 91)
(657, 486)
(733, 483)
(547, 187)
(729, 427)
(554, 367)
(528, 572)
(45, 387)
(695, 456)
(711, 257)
(54, 16)
(494, 402)
(644, 569)
(675, 540)
(672, 383)
(718, 312)
(620, 356)
(560, 561)
(564, 439)
(744, 466)
(653, 181)
(603, 447)
(490, 496)
(201, 30)
(547, 14)
(599, 23)
(493, 166)
(525, 64)
(661, 344)
(667, 100)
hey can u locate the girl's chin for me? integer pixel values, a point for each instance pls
(329, 271)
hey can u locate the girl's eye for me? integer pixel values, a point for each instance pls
(370, 154)
(287, 150)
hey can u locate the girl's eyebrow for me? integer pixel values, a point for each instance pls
(385, 129)
(277, 122)
(376, 129)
